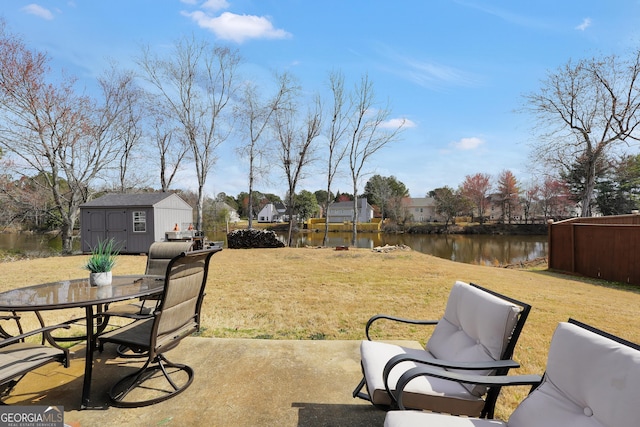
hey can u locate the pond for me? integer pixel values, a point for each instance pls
(31, 242)
(471, 249)
(466, 248)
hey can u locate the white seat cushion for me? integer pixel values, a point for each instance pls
(590, 381)
(422, 392)
(429, 419)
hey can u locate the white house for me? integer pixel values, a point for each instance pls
(421, 209)
(272, 213)
(233, 214)
(343, 211)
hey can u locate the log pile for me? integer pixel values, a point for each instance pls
(247, 239)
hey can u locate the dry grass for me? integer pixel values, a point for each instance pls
(325, 294)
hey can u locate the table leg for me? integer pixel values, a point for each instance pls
(88, 360)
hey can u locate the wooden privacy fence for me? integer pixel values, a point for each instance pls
(601, 247)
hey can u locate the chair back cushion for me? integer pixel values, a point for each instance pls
(160, 253)
(179, 312)
(476, 326)
(591, 381)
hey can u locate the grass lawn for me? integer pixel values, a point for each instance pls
(309, 293)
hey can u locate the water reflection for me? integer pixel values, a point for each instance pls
(28, 242)
(470, 249)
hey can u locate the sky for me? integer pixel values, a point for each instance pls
(456, 71)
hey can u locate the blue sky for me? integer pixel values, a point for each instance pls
(456, 70)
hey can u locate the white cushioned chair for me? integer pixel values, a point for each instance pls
(478, 332)
(592, 380)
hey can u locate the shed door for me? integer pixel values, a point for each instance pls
(104, 224)
(116, 222)
(93, 228)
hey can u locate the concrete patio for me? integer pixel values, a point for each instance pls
(238, 382)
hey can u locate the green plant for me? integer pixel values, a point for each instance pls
(103, 256)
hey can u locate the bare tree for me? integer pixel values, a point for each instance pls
(256, 116)
(171, 147)
(24, 202)
(367, 136)
(529, 201)
(585, 110)
(196, 84)
(129, 124)
(336, 146)
(50, 130)
(555, 198)
(295, 138)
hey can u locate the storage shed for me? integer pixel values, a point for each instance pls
(134, 221)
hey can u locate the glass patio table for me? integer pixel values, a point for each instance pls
(78, 293)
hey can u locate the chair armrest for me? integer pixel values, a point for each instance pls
(484, 380)
(45, 330)
(3, 331)
(396, 319)
(447, 364)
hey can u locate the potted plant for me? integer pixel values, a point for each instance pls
(101, 262)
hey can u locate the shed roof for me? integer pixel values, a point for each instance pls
(136, 199)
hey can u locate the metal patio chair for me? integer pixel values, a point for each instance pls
(18, 356)
(592, 379)
(177, 317)
(478, 332)
(160, 253)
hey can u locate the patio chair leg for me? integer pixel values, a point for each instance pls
(5, 390)
(166, 374)
(122, 388)
(357, 392)
(128, 353)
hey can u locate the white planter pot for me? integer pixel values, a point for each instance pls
(104, 291)
(100, 279)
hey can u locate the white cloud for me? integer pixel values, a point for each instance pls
(431, 75)
(586, 23)
(468, 143)
(215, 5)
(38, 10)
(426, 73)
(507, 15)
(238, 28)
(396, 123)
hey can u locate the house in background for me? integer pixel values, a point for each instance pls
(421, 209)
(233, 216)
(272, 212)
(134, 221)
(343, 211)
